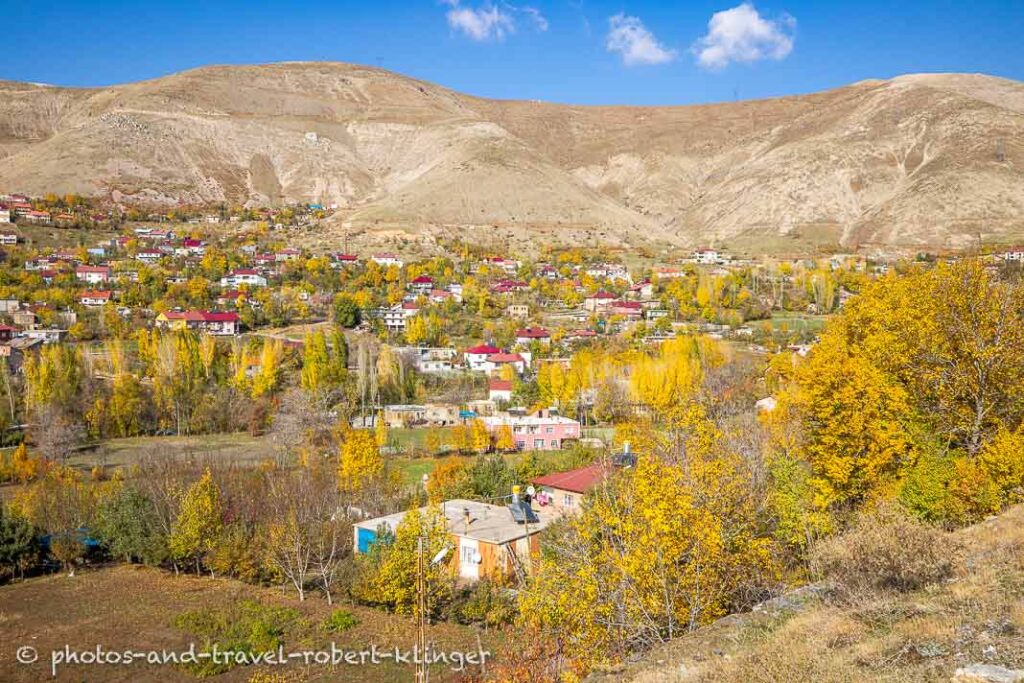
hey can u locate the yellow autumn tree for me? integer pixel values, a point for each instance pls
(504, 440)
(380, 430)
(392, 581)
(857, 424)
(198, 524)
(268, 378)
(462, 438)
(661, 548)
(359, 460)
(673, 376)
(480, 438)
(449, 479)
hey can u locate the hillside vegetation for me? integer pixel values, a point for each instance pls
(971, 616)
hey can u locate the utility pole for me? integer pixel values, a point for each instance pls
(422, 672)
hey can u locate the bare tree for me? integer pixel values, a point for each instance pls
(303, 530)
(55, 435)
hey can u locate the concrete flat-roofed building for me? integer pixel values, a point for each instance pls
(487, 540)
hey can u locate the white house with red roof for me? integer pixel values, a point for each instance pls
(193, 247)
(564, 491)
(93, 275)
(642, 290)
(632, 310)
(598, 301)
(476, 357)
(96, 297)
(496, 362)
(439, 296)
(340, 260)
(421, 285)
(394, 318)
(499, 389)
(210, 322)
(38, 216)
(532, 334)
(243, 276)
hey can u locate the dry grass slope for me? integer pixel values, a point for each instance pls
(976, 616)
(922, 160)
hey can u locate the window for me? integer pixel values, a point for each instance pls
(549, 430)
(468, 554)
(568, 500)
(538, 444)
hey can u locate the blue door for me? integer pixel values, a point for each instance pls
(367, 537)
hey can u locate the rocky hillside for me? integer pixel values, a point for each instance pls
(933, 160)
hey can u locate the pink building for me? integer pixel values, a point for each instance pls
(538, 432)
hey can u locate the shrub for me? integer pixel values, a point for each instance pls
(484, 603)
(340, 620)
(886, 549)
(245, 627)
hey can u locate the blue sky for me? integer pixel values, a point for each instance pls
(578, 51)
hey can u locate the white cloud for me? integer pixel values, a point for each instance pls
(490, 22)
(630, 38)
(741, 34)
(535, 16)
(485, 23)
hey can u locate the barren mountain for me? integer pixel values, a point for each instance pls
(933, 160)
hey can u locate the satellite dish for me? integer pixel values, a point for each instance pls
(530, 490)
(440, 556)
(477, 558)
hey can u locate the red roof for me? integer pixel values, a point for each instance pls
(533, 333)
(202, 316)
(483, 350)
(578, 480)
(96, 294)
(423, 280)
(219, 317)
(500, 385)
(603, 295)
(245, 271)
(93, 269)
(505, 358)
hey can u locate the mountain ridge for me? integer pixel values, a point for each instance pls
(920, 160)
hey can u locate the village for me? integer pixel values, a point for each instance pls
(471, 407)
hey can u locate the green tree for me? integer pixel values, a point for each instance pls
(18, 546)
(346, 311)
(128, 526)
